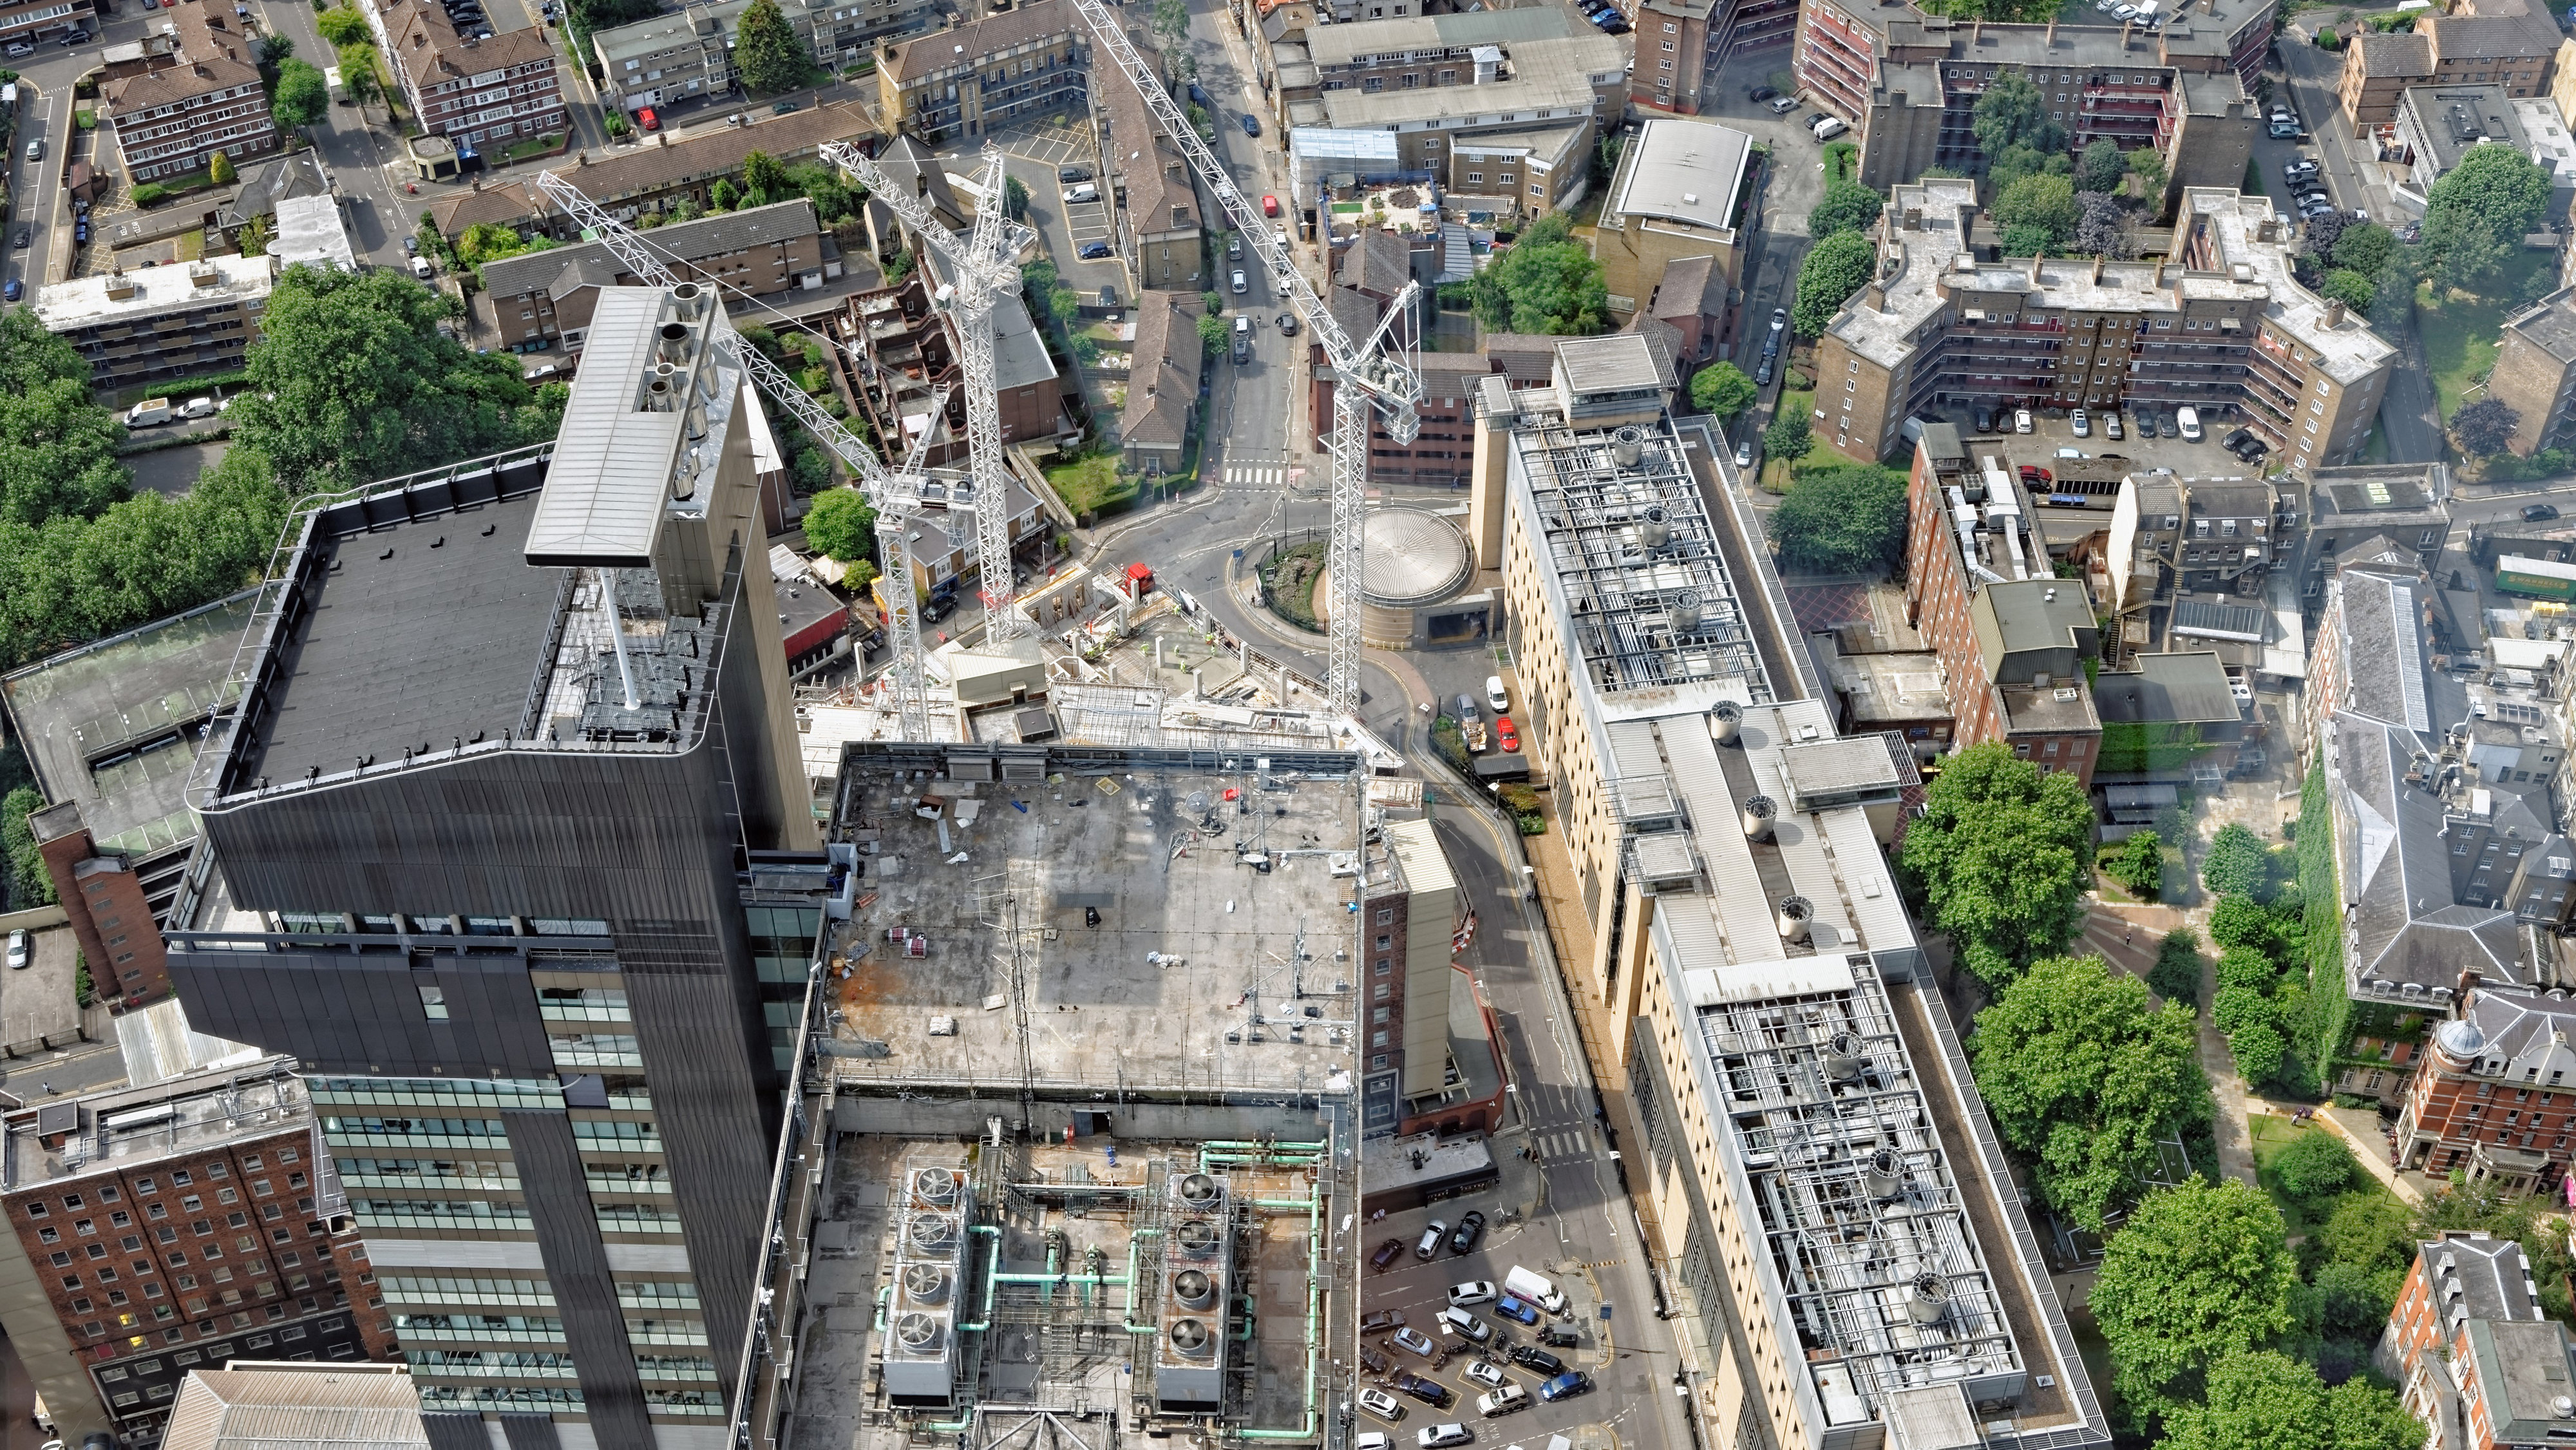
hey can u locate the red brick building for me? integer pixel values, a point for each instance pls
(2012, 637)
(2495, 1094)
(2475, 1356)
(184, 1223)
(104, 896)
(482, 93)
(185, 91)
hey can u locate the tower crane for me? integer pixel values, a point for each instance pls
(1377, 372)
(985, 269)
(897, 496)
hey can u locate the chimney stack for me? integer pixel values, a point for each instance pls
(1874, 297)
(2334, 313)
(2034, 271)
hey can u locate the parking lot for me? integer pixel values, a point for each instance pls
(2051, 432)
(1418, 1290)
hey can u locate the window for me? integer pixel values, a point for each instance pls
(1475, 176)
(433, 1003)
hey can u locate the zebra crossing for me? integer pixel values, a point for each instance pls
(1257, 475)
(1553, 1143)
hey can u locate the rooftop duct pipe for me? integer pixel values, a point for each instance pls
(689, 300)
(1725, 722)
(1795, 914)
(617, 640)
(675, 342)
(1626, 446)
(1758, 811)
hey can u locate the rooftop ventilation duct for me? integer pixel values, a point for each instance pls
(689, 301)
(1883, 1174)
(925, 1284)
(675, 342)
(1795, 914)
(1929, 1300)
(1193, 1287)
(1725, 722)
(918, 1333)
(1758, 812)
(1685, 612)
(935, 1186)
(1842, 1054)
(932, 1233)
(1198, 1190)
(1196, 1237)
(1654, 532)
(1626, 445)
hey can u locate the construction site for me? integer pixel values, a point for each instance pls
(1078, 1138)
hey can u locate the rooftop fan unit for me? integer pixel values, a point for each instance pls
(1196, 1237)
(925, 1284)
(917, 1333)
(933, 1234)
(936, 1187)
(1192, 1338)
(1194, 1288)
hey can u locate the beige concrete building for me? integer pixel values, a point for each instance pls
(2223, 327)
(961, 82)
(1531, 108)
(2459, 49)
(2535, 373)
(1749, 950)
(160, 324)
(1678, 192)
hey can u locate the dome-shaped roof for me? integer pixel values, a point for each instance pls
(1412, 557)
(2460, 1038)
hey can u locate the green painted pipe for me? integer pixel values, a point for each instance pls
(883, 1295)
(992, 1277)
(1135, 1243)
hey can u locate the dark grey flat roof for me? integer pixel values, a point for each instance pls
(421, 632)
(110, 726)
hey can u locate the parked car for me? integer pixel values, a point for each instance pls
(1372, 1440)
(1270, 206)
(26, 238)
(1381, 1404)
(1251, 124)
(1555, 1338)
(1472, 1226)
(2538, 513)
(1239, 284)
(1465, 1325)
(1744, 453)
(1093, 251)
(1287, 324)
(2083, 424)
(1474, 1291)
(2188, 419)
(1565, 1386)
(1380, 1321)
(2032, 473)
(2165, 426)
(1434, 1231)
(1080, 192)
(648, 120)
(1486, 1374)
(1436, 1437)
(1512, 1306)
(12, 290)
(21, 947)
(19, 49)
(1763, 93)
(1983, 420)
(1414, 1341)
(2111, 425)
(1784, 105)
(1429, 1392)
(1531, 1358)
(1814, 119)
(1495, 695)
(1762, 378)
(2021, 420)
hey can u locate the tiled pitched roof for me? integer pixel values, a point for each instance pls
(1163, 374)
(433, 53)
(2484, 37)
(212, 55)
(991, 35)
(2396, 55)
(1684, 290)
(1377, 261)
(1159, 194)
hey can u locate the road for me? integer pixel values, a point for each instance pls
(2409, 423)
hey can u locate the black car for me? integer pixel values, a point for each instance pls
(1539, 1360)
(1429, 1392)
(940, 607)
(1386, 1255)
(1763, 93)
(2538, 513)
(2236, 440)
(1812, 118)
(1985, 421)
(1470, 1229)
(1094, 251)
(1071, 174)
(26, 237)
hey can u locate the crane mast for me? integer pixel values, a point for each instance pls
(896, 496)
(1377, 374)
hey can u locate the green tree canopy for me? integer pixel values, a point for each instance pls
(358, 75)
(2499, 185)
(1848, 519)
(2242, 921)
(302, 96)
(2265, 1400)
(2365, 249)
(2315, 1167)
(2045, 202)
(2101, 167)
(843, 525)
(2137, 864)
(1847, 206)
(1211, 330)
(1547, 283)
(57, 447)
(2247, 968)
(2350, 288)
(2001, 857)
(491, 241)
(1721, 390)
(342, 25)
(1015, 199)
(2236, 862)
(2084, 1076)
(2015, 112)
(764, 178)
(2371, 1231)
(1835, 268)
(1790, 437)
(219, 169)
(2198, 1272)
(352, 381)
(27, 885)
(2485, 427)
(766, 51)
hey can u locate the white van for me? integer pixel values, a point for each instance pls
(1830, 127)
(1501, 701)
(1538, 1289)
(420, 268)
(2188, 419)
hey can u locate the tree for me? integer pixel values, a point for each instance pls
(2148, 165)
(843, 525)
(2198, 1272)
(254, 236)
(2236, 862)
(489, 242)
(1547, 283)
(2039, 201)
(1722, 391)
(2001, 858)
(2483, 428)
(219, 169)
(2014, 111)
(2350, 288)
(1015, 199)
(2262, 1400)
(764, 178)
(723, 196)
(2015, 162)
(1843, 520)
(2242, 921)
(2499, 185)
(2137, 865)
(1211, 330)
(2102, 226)
(2365, 248)
(351, 380)
(342, 25)
(2176, 975)
(2247, 968)
(1835, 268)
(272, 51)
(2324, 230)
(2461, 249)
(2084, 1077)
(2364, 1416)
(2259, 1052)
(1171, 21)
(2101, 167)
(2025, 240)
(2371, 1231)
(2315, 1167)
(28, 885)
(57, 446)
(1847, 206)
(1789, 438)
(302, 96)
(358, 73)
(766, 51)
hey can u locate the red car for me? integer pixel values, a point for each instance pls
(1270, 206)
(646, 119)
(1504, 734)
(2030, 474)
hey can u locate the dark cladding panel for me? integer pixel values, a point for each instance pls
(360, 1012)
(452, 1431)
(528, 1432)
(577, 1271)
(710, 1101)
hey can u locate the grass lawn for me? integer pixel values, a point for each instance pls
(2271, 1135)
(2460, 332)
(536, 146)
(1091, 485)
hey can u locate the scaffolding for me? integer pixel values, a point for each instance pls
(1880, 1272)
(1629, 541)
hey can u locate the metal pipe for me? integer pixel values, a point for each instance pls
(617, 638)
(992, 1277)
(1314, 1206)
(883, 1295)
(1135, 1242)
